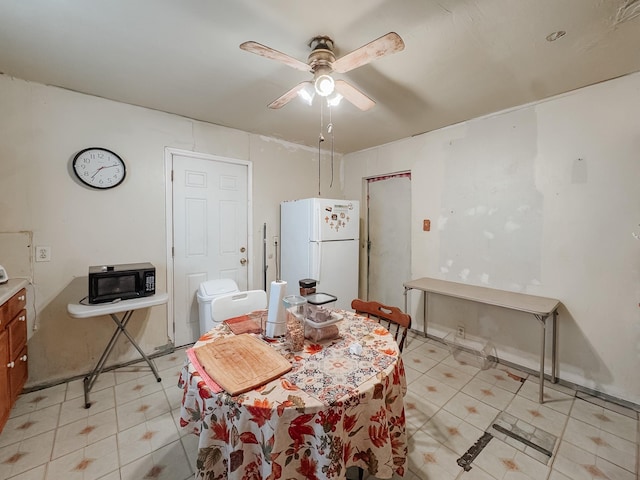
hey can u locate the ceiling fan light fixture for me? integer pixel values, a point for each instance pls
(334, 100)
(324, 85)
(322, 61)
(306, 95)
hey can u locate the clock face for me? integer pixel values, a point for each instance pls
(99, 168)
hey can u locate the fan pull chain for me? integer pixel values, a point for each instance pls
(320, 140)
(330, 131)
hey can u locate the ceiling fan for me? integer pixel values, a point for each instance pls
(322, 62)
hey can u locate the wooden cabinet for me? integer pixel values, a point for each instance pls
(13, 351)
(5, 389)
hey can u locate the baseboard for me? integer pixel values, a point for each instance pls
(164, 350)
(565, 383)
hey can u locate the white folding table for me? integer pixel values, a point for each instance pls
(126, 309)
(542, 309)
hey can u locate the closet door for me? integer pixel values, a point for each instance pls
(388, 237)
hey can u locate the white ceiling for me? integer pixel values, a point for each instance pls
(462, 58)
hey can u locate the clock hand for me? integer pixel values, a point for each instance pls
(104, 166)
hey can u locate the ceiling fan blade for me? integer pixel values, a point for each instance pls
(354, 95)
(267, 52)
(385, 45)
(287, 97)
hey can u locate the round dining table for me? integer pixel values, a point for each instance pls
(340, 405)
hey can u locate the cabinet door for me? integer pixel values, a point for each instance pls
(5, 398)
(12, 306)
(18, 374)
(17, 334)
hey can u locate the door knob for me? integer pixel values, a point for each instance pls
(242, 249)
(11, 364)
(243, 261)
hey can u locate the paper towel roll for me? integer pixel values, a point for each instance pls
(276, 316)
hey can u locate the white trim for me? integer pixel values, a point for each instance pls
(169, 152)
(364, 208)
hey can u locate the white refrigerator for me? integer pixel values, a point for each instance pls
(319, 239)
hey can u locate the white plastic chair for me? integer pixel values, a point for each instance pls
(236, 304)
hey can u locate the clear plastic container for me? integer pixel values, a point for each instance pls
(320, 307)
(471, 350)
(295, 306)
(307, 286)
(327, 332)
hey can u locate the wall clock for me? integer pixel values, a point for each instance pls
(99, 168)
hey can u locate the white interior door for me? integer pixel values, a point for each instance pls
(388, 237)
(210, 221)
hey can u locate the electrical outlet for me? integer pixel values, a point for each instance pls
(43, 254)
(460, 331)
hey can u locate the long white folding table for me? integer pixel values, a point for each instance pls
(542, 308)
(125, 308)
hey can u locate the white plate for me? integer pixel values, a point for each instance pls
(335, 318)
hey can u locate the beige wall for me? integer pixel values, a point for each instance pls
(543, 199)
(41, 128)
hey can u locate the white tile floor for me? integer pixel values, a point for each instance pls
(131, 430)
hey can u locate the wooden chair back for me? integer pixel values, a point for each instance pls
(394, 319)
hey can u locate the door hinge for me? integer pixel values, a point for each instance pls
(172, 175)
(173, 252)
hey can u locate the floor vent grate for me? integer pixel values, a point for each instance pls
(527, 438)
(520, 438)
(470, 455)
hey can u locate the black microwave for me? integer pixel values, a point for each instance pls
(108, 283)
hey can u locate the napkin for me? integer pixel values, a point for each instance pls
(355, 348)
(209, 382)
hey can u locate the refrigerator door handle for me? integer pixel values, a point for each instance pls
(316, 260)
(318, 234)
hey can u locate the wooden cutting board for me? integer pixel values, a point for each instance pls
(240, 363)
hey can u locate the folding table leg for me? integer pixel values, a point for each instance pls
(543, 333)
(554, 351)
(90, 380)
(122, 326)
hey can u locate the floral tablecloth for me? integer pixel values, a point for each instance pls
(333, 410)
